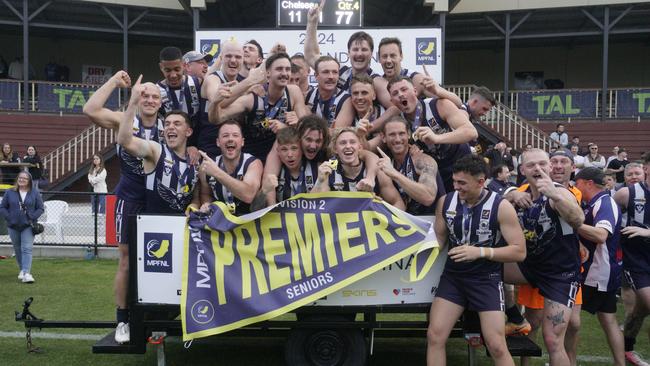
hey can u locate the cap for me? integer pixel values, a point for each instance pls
(592, 173)
(196, 56)
(561, 152)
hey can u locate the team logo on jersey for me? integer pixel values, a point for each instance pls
(309, 180)
(158, 252)
(426, 51)
(639, 207)
(485, 214)
(211, 46)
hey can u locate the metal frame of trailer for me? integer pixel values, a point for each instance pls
(320, 335)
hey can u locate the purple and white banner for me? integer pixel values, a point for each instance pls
(243, 270)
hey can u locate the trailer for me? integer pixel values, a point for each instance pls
(338, 329)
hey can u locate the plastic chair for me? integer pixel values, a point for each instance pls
(54, 211)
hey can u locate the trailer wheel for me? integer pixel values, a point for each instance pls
(325, 347)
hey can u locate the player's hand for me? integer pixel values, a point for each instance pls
(224, 91)
(521, 199)
(208, 166)
(257, 89)
(365, 185)
(324, 171)
(465, 253)
(205, 208)
(275, 125)
(313, 14)
(291, 118)
(269, 183)
(193, 152)
(258, 74)
(364, 125)
(385, 164)
(428, 83)
(137, 90)
(546, 186)
(121, 79)
(634, 231)
(426, 135)
(278, 48)
(584, 253)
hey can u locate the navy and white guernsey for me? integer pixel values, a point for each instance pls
(377, 111)
(131, 186)
(328, 109)
(636, 251)
(602, 270)
(412, 206)
(259, 139)
(345, 77)
(170, 185)
(289, 186)
(477, 226)
(221, 193)
(187, 98)
(405, 73)
(551, 243)
(223, 78)
(339, 182)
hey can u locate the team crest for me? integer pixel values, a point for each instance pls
(338, 186)
(485, 214)
(639, 207)
(309, 180)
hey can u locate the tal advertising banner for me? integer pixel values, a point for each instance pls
(243, 270)
(557, 104)
(633, 103)
(67, 98)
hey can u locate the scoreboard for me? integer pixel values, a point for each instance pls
(335, 13)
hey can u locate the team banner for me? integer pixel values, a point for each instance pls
(243, 270)
(9, 94)
(69, 98)
(633, 103)
(557, 104)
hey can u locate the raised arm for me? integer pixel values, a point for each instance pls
(134, 145)
(462, 129)
(561, 200)
(94, 107)
(381, 90)
(311, 50)
(388, 191)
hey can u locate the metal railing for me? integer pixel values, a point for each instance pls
(71, 219)
(507, 122)
(67, 158)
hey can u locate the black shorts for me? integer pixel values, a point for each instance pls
(625, 282)
(561, 291)
(124, 209)
(594, 301)
(637, 280)
(483, 292)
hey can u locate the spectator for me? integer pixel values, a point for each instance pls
(610, 183)
(16, 69)
(7, 156)
(37, 170)
(97, 178)
(615, 154)
(500, 179)
(617, 166)
(578, 160)
(581, 150)
(594, 158)
(499, 155)
(21, 206)
(560, 137)
(51, 72)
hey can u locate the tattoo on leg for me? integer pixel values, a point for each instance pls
(557, 318)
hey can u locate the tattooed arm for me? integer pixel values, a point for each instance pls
(422, 191)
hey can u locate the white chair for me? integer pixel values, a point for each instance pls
(54, 211)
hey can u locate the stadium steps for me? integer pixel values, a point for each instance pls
(632, 135)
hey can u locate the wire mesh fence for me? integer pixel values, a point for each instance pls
(70, 219)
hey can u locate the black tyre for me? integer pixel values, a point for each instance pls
(325, 347)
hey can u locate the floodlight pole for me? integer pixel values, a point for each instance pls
(25, 57)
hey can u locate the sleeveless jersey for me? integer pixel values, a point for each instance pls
(339, 182)
(259, 139)
(289, 187)
(477, 226)
(221, 193)
(551, 243)
(601, 268)
(131, 185)
(223, 78)
(328, 109)
(345, 77)
(636, 251)
(188, 100)
(170, 185)
(405, 73)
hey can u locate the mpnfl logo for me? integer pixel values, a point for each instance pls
(211, 46)
(426, 51)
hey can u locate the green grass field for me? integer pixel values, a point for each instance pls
(82, 290)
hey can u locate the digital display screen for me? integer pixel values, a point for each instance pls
(335, 13)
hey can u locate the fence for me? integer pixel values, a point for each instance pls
(70, 220)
